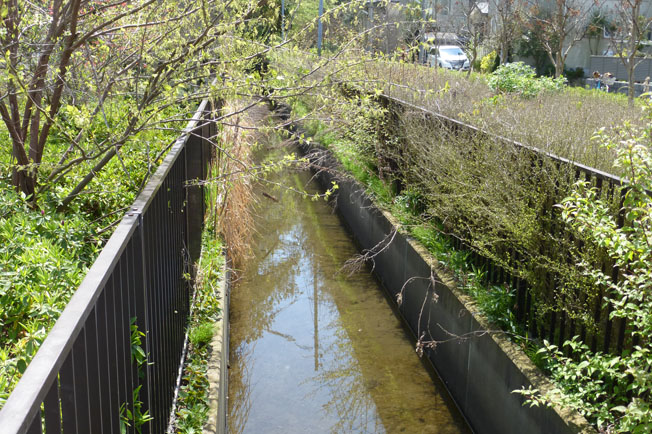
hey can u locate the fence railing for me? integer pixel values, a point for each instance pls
(90, 375)
(557, 326)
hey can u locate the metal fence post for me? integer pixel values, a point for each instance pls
(194, 192)
(143, 378)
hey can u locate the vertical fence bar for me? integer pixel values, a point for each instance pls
(562, 329)
(68, 403)
(129, 281)
(152, 252)
(553, 324)
(52, 407)
(35, 426)
(166, 286)
(109, 397)
(113, 376)
(95, 388)
(124, 334)
(194, 193)
(142, 318)
(81, 383)
(622, 327)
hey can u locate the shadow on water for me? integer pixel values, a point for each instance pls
(314, 350)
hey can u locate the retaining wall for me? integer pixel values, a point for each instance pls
(480, 369)
(218, 374)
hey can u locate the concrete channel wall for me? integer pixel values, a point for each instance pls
(218, 374)
(480, 369)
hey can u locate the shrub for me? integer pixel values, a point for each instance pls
(521, 79)
(487, 63)
(43, 257)
(613, 391)
(574, 73)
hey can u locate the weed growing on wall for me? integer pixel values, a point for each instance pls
(193, 405)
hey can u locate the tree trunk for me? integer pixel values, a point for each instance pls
(24, 182)
(559, 62)
(559, 69)
(23, 175)
(630, 80)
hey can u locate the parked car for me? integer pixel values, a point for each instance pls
(449, 57)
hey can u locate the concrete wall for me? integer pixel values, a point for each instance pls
(615, 66)
(218, 374)
(480, 369)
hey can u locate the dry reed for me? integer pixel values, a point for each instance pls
(231, 173)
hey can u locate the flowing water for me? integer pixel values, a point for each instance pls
(314, 350)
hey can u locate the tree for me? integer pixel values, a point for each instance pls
(507, 23)
(475, 31)
(68, 53)
(630, 29)
(598, 24)
(559, 27)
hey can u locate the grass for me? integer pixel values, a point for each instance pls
(562, 123)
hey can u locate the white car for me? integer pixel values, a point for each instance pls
(449, 57)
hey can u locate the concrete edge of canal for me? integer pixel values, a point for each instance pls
(218, 374)
(480, 369)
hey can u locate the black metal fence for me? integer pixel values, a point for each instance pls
(95, 371)
(556, 326)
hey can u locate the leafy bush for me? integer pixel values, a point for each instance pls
(44, 253)
(614, 392)
(521, 79)
(43, 258)
(574, 73)
(487, 63)
(594, 384)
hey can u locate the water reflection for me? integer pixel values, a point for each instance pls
(315, 351)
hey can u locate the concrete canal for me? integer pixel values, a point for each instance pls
(314, 349)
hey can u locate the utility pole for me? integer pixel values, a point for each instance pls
(319, 27)
(422, 48)
(371, 26)
(315, 312)
(283, 19)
